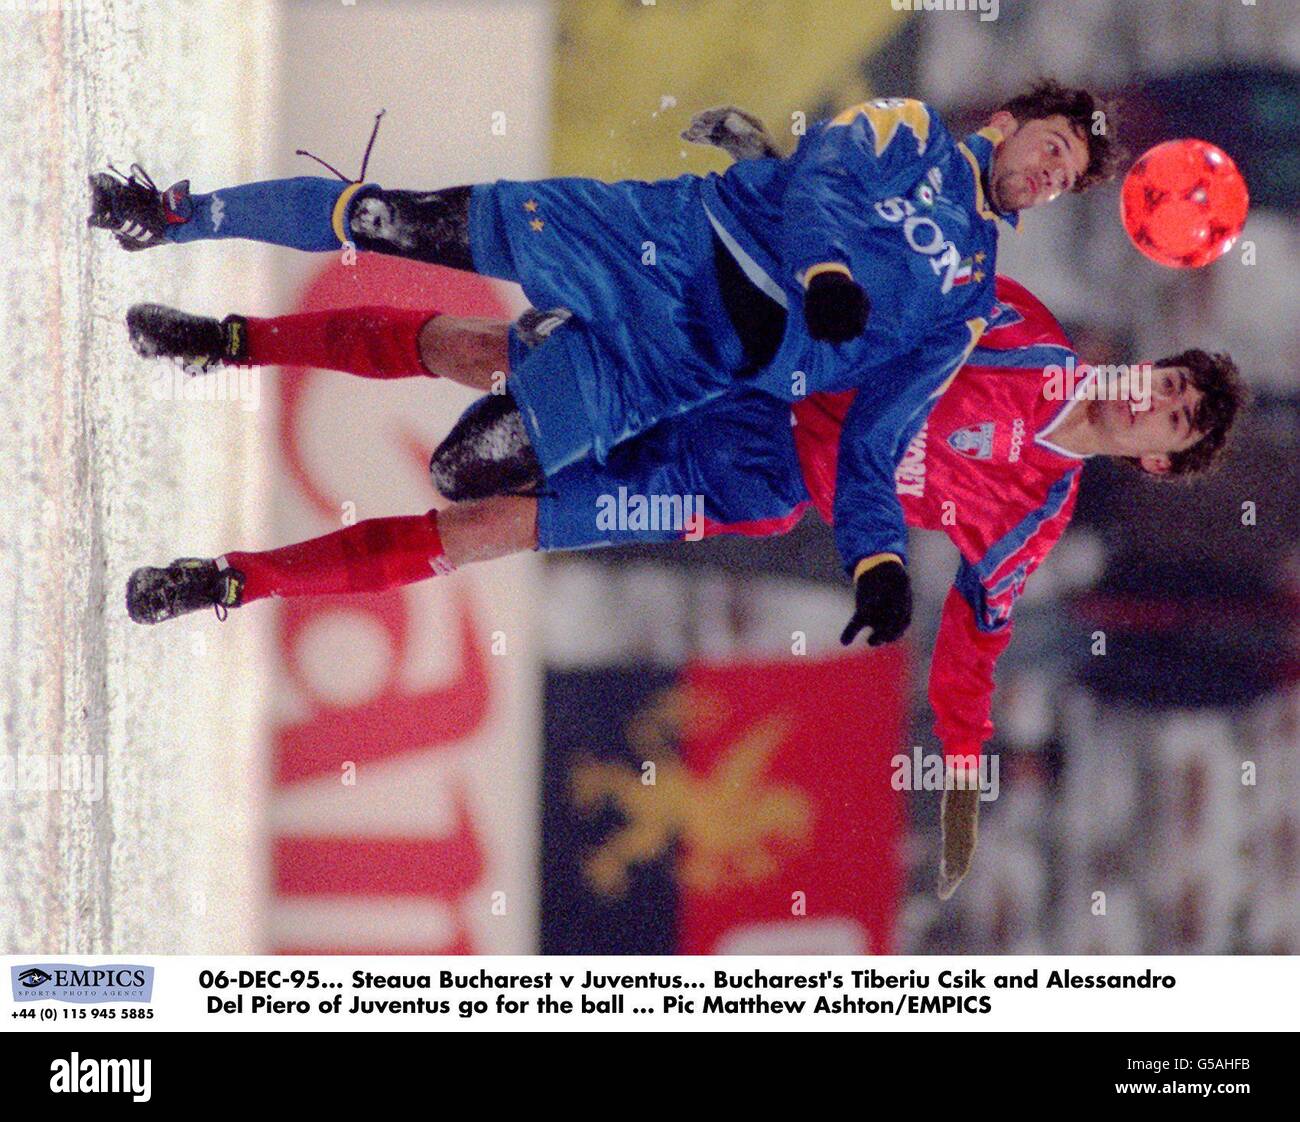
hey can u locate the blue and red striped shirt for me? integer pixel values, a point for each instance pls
(984, 471)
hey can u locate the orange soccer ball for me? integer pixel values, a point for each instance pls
(1184, 203)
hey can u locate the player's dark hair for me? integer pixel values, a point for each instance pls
(1093, 118)
(1223, 394)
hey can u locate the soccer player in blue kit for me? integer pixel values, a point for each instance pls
(877, 238)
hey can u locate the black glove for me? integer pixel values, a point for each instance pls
(835, 307)
(884, 604)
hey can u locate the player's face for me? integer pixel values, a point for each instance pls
(1153, 433)
(1036, 162)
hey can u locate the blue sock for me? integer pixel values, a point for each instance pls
(297, 213)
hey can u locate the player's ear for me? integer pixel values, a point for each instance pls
(1005, 123)
(1155, 463)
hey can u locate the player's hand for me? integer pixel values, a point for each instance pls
(884, 604)
(741, 135)
(835, 307)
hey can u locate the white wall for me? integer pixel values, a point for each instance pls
(100, 476)
(441, 70)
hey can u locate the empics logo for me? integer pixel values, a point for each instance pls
(82, 985)
(108, 1077)
(32, 977)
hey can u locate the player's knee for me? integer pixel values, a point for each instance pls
(425, 225)
(446, 475)
(470, 351)
(486, 453)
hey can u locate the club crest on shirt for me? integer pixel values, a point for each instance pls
(975, 441)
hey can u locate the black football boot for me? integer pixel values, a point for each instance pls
(133, 208)
(189, 584)
(201, 343)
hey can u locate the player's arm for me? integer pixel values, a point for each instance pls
(859, 158)
(974, 630)
(870, 531)
(972, 635)
(966, 651)
(975, 627)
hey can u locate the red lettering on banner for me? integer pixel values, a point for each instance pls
(444, 868)
(396, 720)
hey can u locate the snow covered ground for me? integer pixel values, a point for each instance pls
(128, 811)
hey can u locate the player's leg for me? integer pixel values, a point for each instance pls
(304, 212)
(487, 452)
(481, 353)
(490, 450)
(645, 344)
(731, 464)
(738, 448)
(371, 342)
(374, 555)
(299, 213)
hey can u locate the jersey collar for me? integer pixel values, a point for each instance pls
(978, 150)
(1040, 437)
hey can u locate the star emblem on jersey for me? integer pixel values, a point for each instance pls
(531, 206)
(537, 225)
(975, 441)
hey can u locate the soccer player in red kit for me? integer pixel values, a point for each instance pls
(996, 467)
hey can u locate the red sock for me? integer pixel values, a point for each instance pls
(372, 556)
(371, 342)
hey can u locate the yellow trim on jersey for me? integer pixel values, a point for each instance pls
(341, 209)
(869, 563)
(981, 206)
(994, 134)
(976, 328)
(885, 119)
(824, 267)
